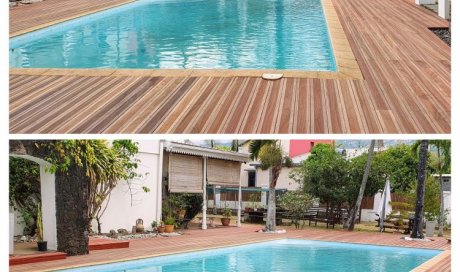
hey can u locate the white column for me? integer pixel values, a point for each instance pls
(444, 8)
(238, 220)
(217, 197)
(48, 196)
(160, 184)
(203, 221)
(11, 236)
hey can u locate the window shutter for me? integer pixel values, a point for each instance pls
(222, 172)
(185, 173)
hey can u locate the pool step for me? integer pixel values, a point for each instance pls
(94, 244)
(37, 258)
(101, 244)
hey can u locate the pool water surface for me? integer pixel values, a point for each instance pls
(186, 34)
(283, 255)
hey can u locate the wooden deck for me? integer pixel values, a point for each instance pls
(196, 239)
(406, 89)
(27, 18)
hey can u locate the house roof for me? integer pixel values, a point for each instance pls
(194, 150)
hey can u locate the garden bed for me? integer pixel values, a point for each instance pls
(443, 33)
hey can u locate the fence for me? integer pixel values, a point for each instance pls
(368, 201)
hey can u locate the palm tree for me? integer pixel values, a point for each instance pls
(270, 155)
(235, 145)
(417, 230)
(351, 219)
(442, 166)
(211, 143)
(443, 152)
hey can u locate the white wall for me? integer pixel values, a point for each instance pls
(122, 211)
(368, 215)
(11, 230)
(284, 182)
(444, 9)
(48, 197)
(447, 205)
(18, 223)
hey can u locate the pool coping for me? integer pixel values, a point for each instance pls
(346, 64)
(430, 263)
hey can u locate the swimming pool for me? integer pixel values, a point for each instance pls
(185, 34)
(282, 255)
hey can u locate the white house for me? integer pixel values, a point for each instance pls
(172, 166)
(297, 150)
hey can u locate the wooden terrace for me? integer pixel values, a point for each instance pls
(403, 85)
(196, 239)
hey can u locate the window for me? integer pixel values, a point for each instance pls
(251, 179)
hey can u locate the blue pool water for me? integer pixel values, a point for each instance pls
(225, 34)
(283, 255)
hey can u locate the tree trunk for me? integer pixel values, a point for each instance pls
(441, 214)
(351, 219)
(417, 230)
(271, 213)
(99, 226)
(72, 220)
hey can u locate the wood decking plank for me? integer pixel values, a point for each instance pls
(167, 105)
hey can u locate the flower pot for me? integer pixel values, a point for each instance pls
(225, 221)
(42, 245)
(169, 228)
(161, 229)
(429, 230)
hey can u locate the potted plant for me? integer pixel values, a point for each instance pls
(154, 225)
(430, 224)
(161, 227)
(226, 219)
(178, 203)
(42, 245)
(169, 224)
(252, 199)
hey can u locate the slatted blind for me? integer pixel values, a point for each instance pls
(185, 173)
(222, 172)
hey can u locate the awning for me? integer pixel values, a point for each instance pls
(187, 149)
